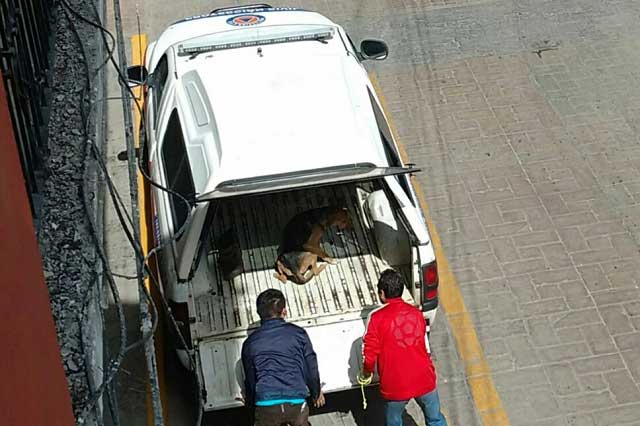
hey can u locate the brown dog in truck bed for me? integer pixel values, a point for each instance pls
(300, 248)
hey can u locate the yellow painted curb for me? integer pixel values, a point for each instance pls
(138, 50)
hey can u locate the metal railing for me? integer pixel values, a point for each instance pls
(24, 64)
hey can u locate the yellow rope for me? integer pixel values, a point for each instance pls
(364, 381)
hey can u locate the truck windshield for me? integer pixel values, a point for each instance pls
(301, 179)
(248, 37)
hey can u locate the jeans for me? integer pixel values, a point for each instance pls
(430, 404)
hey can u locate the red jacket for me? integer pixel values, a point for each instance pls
(395, 339)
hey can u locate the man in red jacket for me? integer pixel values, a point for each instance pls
(395, 339)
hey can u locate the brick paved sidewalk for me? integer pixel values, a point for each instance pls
(525, 117)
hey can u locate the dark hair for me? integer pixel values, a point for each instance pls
(392, 283)
(270, 303)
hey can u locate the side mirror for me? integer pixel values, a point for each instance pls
(137, 75)
(374, 49)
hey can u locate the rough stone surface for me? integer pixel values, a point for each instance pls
(66, 240)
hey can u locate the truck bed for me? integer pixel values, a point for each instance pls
(346, 288)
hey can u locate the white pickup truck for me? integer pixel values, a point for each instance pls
(255, 114)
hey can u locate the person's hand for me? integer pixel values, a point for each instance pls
(365, 377)
(319, 402)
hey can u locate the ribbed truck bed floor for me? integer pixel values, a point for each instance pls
(348, 287)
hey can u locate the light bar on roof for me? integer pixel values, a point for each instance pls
(309, 36)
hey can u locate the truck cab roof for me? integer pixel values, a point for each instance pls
(266, 92)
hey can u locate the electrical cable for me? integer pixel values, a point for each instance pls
(105, 263)
(123, 349)
(124, 80)
(192, 359)
(124, 276)
(116, 198)
(117, 204)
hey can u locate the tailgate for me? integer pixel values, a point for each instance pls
(339, 360)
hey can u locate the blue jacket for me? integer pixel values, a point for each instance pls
(279, 363)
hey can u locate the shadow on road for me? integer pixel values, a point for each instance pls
(346, 405)
(349, 405)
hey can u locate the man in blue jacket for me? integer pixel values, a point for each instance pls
(280, 367)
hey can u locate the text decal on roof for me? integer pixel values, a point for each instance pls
(246, 20)
(256, 9)
(236, 11)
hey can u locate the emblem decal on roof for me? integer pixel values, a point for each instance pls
(246, 20)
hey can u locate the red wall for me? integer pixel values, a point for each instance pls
(33, 387)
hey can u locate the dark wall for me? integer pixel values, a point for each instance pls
(33, 388)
